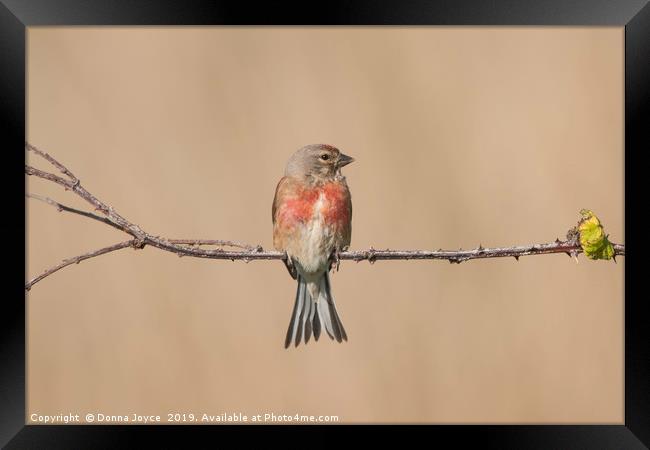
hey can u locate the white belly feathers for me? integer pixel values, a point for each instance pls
(316, 243)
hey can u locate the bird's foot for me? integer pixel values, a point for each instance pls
(335, 260)
(290, 267)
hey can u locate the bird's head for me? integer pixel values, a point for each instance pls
(319, 162)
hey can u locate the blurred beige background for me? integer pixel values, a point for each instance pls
(462, 136)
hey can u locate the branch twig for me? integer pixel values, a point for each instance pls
(78, 259)
(246, 252)
(65, 208)
(192, 242)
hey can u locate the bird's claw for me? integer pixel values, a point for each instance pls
(335, 260)
(290, 267)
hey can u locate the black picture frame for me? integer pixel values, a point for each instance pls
(16, 15)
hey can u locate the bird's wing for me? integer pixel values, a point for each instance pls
(282, 184)
(347, 230)
(282, 190)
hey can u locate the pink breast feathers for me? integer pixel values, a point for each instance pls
(300, 207)
(337, 211)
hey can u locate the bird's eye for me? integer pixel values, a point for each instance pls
(325, 157)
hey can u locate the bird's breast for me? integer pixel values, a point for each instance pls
(337, 211)
(316, 219)
(327, 203)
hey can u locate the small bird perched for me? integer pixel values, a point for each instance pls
(312, 212)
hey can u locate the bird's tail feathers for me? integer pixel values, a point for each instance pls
(310, 316)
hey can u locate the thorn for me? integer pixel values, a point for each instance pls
(371, 255)
(568, 254)
(575, 256)
(614, 258)
(480, 248)
(516, 257)
(558, 241)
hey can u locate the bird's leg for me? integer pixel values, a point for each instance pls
(335, 260)
(290, 267)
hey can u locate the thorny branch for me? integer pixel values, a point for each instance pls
(245, 252)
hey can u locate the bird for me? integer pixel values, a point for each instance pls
(312, 224)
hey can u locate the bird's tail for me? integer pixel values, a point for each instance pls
(310, 316)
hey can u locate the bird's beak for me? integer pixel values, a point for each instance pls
(344, 160)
